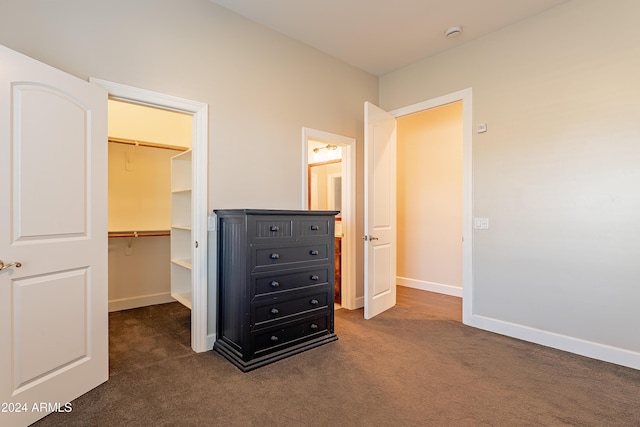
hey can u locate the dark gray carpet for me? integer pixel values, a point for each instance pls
(403, 368)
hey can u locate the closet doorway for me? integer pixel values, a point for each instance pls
(149, 206)
(181, 236)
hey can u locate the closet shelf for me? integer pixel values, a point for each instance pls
(181, 220)
(145, 233)
(186, 263)
(184, 299)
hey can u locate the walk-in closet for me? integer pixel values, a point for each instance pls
(149, 206)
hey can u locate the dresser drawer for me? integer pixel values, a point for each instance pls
(273, 339)
(266, 256)
(284, 306)
(267, 229)
(314, 227)
(284, 282)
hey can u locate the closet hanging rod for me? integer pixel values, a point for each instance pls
(139, 233)
(146, 144)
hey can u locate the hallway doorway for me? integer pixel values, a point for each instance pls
(465, 98)
(430, 199)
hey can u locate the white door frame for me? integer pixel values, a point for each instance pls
(348, 145)
(465, 96)
(200, 113)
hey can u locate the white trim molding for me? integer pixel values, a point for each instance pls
(585, 348)
(455, 291)
(140, 301)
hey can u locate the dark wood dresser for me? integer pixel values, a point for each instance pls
(275, 284)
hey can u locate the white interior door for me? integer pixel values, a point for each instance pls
(380, 211)
(53, 220)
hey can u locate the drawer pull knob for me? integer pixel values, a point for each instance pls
(274, 228)
(314, 227)
(314, 252)
(274, 256)
(275, 284)
(274, 338)
(275, 311)
(313, 326)
(315, 277)
(314, 302)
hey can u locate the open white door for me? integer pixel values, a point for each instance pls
(53, 220)
(380, 211)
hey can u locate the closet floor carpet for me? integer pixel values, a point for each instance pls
(147, 336)
(406, 367)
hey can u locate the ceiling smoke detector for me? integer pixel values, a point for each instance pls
(453, 31)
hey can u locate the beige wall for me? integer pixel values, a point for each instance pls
(139, 188)
(557, 173)
(261, 87)
(429, 207)
(141, 123)
(139, 272)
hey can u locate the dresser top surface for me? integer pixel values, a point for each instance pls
(272, 212)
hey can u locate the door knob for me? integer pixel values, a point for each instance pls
(11, 264)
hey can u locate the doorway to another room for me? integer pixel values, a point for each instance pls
(420, 219)
(430, 199)
(325, 193)
(329, 184)
(430, 209)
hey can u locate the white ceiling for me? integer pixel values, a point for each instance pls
(380, 36)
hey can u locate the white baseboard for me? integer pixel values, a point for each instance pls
(561, 342)
(425, 286)
(140, 301)
(359, 303)
(455, 291)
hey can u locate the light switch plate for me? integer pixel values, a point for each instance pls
(481, 223)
